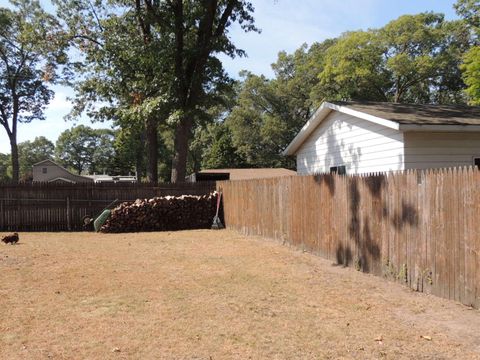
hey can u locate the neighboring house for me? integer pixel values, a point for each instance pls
(49, 171)
(239, 174)
(357, 137)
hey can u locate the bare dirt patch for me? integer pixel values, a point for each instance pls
(211, 295)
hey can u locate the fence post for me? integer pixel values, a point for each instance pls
(69, 214)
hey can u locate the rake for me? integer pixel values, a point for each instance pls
(217, 223)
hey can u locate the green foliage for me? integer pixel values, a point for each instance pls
(353, 69)
(32, 152)
(413, 59)
(86, 150)
(215, 149)
(153, 63)
(470, 11)
(413, 46)
(129, 150)
(471, 73)
(32, 47)
(5, 174)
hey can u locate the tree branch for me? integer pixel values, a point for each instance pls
(144, 28)
(92, 8)
(177, 7)
(224, 18)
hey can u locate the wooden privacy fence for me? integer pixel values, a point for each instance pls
(61, 207)
(418, 228)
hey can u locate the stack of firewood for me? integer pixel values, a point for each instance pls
(167, 213)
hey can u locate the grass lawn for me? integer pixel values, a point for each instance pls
(211, 295)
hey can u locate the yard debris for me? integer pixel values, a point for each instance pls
(426, 337)
(167, 213)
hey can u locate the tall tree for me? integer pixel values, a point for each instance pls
(31, 49)
(413, 59)
(86, 150)
(75, 148)
(354, 69)
(199, 31)
(469, 10)
(32, 152)
(122, 73)
(161, 58)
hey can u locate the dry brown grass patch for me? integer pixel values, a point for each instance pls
(210, 294)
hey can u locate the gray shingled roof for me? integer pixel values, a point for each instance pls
(418, 114)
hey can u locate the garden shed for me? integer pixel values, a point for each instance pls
(365, 137)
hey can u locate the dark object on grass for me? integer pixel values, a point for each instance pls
(88, 221)
(217, 223)
(10, 239)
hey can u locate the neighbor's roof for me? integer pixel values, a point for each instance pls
(242, 174)
(45, 161)
(402, 117)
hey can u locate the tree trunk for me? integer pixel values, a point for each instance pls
(397, 91)
(179, 163)
(140, 158)
(152, 151)
(139, 171)
(14, 157)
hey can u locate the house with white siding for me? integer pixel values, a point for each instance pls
(365, 137)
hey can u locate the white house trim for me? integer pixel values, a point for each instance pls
(308, 128)
(374, 119)
(320, 115)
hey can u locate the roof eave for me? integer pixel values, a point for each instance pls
(439, 128)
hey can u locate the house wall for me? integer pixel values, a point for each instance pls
(362, 146)
(442, 149)
(54, 171)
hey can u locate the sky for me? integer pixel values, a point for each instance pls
(285, 25)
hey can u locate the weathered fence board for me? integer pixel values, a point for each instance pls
(416, 228)
(60, 207)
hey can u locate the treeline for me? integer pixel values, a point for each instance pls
(152, 69)
(420, 59)
(81, 149)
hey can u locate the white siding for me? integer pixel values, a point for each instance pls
(436, 150)
(360, 145)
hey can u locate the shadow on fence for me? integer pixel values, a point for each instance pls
(418, 228)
